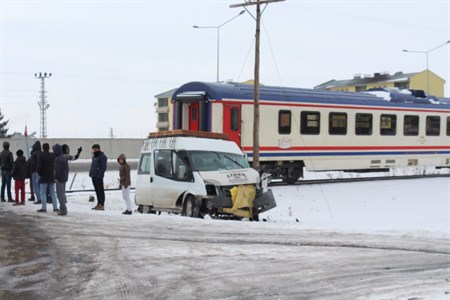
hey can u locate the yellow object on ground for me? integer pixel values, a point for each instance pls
(242, 197)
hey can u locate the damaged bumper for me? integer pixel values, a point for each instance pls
(222, 203)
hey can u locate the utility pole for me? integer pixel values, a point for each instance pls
(258, 3)
(43, 105)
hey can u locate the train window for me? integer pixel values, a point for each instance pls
(448, 126)
(284, 122)
(411, 125)
(363, 124)
(433, 125)
(234, 122)
(388, 124)
(310, 122)
(337, 123)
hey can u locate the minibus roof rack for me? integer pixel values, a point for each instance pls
(188, 133)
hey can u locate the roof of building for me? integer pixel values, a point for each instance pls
(166, 94)
(362, 80)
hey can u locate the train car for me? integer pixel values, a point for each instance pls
(321, 130)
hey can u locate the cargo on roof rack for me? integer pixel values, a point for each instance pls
(188, 133)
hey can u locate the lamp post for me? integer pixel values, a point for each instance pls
(426, 53)
(218, 36)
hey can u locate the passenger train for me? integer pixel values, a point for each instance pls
(320, 130)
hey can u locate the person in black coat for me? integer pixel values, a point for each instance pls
(97, 172)
(29, 176)
(6, 165)
(61, 177)
(19, 173)
(46, 171)
(36, 152)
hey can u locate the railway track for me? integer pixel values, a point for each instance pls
(314, 181)
(359, 179)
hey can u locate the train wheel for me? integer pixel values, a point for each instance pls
(293, 175)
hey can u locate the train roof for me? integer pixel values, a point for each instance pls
(220, 91)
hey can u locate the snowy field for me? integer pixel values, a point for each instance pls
(414, 206)
(366, 240)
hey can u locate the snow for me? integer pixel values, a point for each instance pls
(381, 94)
(364, 240)
(414, 206)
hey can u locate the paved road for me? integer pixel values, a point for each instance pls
(153, 257)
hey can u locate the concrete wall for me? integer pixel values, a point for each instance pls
(111, 147)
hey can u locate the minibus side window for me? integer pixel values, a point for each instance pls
(144, 163)
(163, 167)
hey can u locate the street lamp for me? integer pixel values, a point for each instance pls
(218, 36)
(426, 53)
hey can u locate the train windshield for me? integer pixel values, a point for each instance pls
(216, 161)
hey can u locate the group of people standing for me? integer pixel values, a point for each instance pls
(49, 173)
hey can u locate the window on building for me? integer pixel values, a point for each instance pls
(234, 122)
(361, 88)
(163, 117)
(284, 122)
(411, 125)
(337, 124)
(310, 122)
(401, 85)
(363, 124)
(388, 125)
(163, 102)
(433, 125)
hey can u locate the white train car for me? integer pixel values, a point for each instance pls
(320, 130)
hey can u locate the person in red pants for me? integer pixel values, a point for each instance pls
(19, 174)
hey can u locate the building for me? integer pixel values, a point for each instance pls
(425, 80)
(163, 108)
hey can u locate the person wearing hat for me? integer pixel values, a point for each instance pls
(6, 165)
(19, 173)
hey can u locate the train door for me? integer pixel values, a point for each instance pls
(193, 116)
(232, 122)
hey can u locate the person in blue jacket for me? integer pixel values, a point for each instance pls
(97, 172)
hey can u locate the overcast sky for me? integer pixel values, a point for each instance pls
(109, 59)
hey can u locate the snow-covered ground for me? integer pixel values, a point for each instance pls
(366, 240)
(413, 206)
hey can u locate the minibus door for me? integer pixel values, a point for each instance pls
(144, 181)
